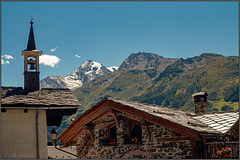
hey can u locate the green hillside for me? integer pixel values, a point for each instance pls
(175, 86)
(126, 85)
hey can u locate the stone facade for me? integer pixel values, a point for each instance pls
(149, 148)
(122, 129)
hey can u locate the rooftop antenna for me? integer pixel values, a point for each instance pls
(31, 20)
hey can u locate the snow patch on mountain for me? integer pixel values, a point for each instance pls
(113, 68)
(71, 83)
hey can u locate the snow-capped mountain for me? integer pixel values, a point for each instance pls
(113, 68)
(88, 71)
(53, 82)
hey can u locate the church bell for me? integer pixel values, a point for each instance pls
(32, 66)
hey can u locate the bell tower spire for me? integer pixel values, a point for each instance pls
(31, 40)
(31, 62)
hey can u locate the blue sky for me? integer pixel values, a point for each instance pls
(70, 33)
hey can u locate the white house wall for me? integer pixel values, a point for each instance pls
(19, 134)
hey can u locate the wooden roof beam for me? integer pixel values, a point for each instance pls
(114, 114)
(145, 124)
(104, 124)
(89, 130)
(130, 120)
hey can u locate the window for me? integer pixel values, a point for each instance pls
(112, 132)
(136, 131)
(112, 135)
(134, 134)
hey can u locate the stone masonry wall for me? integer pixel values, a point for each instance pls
(150, 148)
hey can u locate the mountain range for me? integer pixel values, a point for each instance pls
(150, 78)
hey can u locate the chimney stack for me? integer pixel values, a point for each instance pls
(200, 101)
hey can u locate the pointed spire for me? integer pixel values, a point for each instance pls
(31, 40)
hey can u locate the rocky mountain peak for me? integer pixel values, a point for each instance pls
(140, 61)
(88, 71)
(151, 63)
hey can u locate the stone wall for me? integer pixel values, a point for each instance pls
(150, 148)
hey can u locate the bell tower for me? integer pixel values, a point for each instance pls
(31, 63)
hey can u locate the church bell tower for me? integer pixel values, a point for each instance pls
(31, 63)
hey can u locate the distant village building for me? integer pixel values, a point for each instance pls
(122, 129)
(26, 113)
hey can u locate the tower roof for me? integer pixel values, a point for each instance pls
(31, 40)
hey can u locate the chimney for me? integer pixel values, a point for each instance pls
(200, 102)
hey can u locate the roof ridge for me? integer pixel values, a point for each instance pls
(154, 105)
(55, 89)
(216, 112)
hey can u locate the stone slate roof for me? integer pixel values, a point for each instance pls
(219, 122)
(18, 97)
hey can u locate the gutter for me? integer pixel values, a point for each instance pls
(37, 134)
(55, 144)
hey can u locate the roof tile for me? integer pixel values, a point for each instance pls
(17, 96)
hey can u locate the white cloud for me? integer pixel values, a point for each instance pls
(5, 62)
(53, 49)
(7, 56)
(2, 61)
(49, 60)
(78, 56)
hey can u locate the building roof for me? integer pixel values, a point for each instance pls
(56, 102)
(178, 120)
(31, 39)
(18, 97)
(218, 122)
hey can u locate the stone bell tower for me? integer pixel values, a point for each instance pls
(31, 63)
